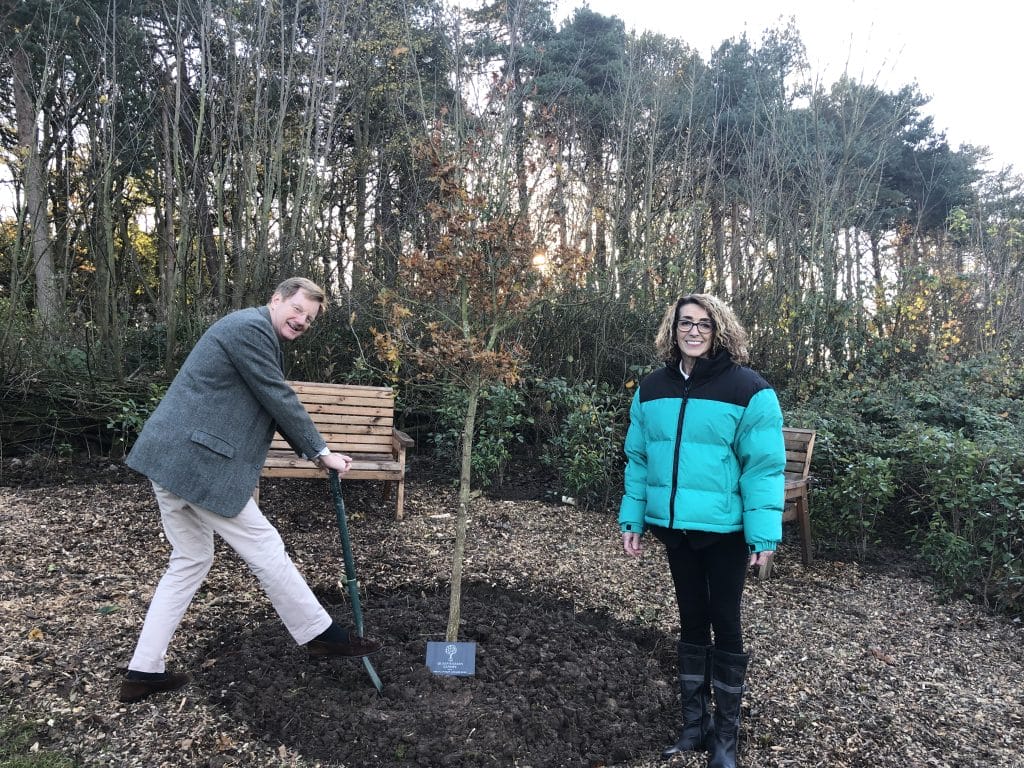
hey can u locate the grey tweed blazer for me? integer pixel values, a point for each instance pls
(209, 437)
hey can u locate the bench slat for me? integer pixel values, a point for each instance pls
(330, 404)
(304, 388)
(381, 462)
(374, 443)
(334, 430)
(365, 416)
(346, 445)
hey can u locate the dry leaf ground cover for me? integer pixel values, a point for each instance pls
(852, 666)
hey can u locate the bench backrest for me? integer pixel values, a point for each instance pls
(352, 418)
(799, 447)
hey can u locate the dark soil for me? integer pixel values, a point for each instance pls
(553, 686)
(574, 643)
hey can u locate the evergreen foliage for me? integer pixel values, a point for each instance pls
(931, 463)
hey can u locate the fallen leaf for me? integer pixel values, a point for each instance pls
(881, 655)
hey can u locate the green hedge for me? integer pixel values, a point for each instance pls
(933, 463)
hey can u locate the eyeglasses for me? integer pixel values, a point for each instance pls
(704, 327)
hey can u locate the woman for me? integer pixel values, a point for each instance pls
(705, 477)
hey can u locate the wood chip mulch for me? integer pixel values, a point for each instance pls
(852, 666)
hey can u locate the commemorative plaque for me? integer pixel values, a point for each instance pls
(458, 659)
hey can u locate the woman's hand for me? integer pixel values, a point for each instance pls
(631, 543)
(761, 558)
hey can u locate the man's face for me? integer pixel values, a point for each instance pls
(292, 316)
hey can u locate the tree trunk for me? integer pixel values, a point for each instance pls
(596, 223)
(47, 298)
(462, 518)
(105, 260)
(736, 277)
(206, 223)
(561, 207)
(388, 231)
(700, 257)
(168, 252)
(718, 247)
(360, 153)
(519, 141)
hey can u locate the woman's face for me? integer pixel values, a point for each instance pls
(695, 332)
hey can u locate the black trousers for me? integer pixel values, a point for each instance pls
(708, 571)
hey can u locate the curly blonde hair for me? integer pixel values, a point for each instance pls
(728, 333)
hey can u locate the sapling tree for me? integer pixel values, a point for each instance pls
(460, 300)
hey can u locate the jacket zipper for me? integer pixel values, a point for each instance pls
(678, 451)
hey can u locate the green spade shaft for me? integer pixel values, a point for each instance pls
(350, 570)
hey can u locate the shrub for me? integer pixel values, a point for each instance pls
(583, 428)
(500, 420)
(935, 461)
(859, 501)
(130, 414)
(969, 501)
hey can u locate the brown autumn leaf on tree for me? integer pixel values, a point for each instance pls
(462, 293)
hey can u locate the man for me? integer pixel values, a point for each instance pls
(203, 449)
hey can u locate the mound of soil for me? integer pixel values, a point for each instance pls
(552, 686)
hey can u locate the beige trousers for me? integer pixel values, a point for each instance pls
(189, 530)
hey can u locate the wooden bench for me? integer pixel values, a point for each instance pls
(799, 448)
(354, 420)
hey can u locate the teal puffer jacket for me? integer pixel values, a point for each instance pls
(706, 453)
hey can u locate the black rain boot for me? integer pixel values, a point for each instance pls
(728, 671)
(694, 694)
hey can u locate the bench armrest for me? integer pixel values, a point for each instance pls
(401, 440)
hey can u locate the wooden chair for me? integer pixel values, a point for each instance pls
(799, 448)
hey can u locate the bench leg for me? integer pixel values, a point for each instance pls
(399, 510)
(256, 493)
(804, 520)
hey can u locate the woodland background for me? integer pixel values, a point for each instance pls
(501, 208)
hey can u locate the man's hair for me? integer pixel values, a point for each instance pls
(728, 333)
(293, 285)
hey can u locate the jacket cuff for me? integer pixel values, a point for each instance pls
(631, 527)
(323, 452)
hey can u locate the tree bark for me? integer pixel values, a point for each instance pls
(37, 215)
(168, 250)
(462, 518)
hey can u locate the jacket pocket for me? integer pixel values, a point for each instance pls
(214, 443)
(731, 473)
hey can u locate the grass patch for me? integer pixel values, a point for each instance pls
(16, 740)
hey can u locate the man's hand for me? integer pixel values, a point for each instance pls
(339, 462)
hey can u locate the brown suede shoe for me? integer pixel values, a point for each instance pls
(136, 690)
(354, 646)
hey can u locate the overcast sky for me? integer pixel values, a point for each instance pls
(967, 58)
